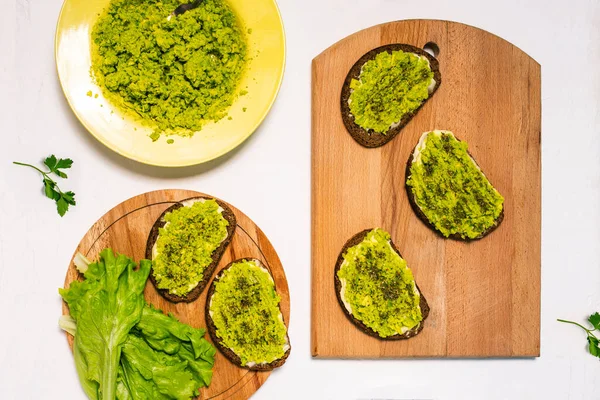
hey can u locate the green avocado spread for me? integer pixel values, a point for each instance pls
(245, 311)
(185, 245)
(176, 73)
(378, 287)
(389, 86)
(450, 189)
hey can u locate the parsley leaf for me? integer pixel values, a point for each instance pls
(593, 341)
(593, 347)
(62, 206)
(50, 162)
(51, 190)
(64, 163)
(55, 165)
(595, 320)
(69, 197)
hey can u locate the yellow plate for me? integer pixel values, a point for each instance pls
(121, 133)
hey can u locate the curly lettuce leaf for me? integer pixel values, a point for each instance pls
(164, 359)
(166, 333)
(106, 305)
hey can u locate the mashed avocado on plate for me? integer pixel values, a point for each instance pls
(378, 288)
(450, 188)
(244, 308)
(390, 86)
(185, 245)
(175, 73)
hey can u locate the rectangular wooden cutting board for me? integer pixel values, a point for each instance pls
(484, 295)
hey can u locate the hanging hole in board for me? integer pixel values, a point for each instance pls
(432, 48)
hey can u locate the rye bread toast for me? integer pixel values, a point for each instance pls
(353, 241)
(216, 256)
(226, 351)
(373, 139)
(421, 215)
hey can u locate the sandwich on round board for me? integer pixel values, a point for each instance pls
(186, 243)
(243, 316)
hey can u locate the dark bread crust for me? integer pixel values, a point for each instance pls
(423, 217)
(212, 329)
(216, 256)
(373, 139)
(356, 239)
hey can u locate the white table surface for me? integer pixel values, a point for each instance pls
(36, 244)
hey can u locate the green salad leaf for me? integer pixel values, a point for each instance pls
(164, 359)
(125, 349)
(105, 307)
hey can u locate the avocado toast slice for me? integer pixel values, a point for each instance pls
(448, 190)
(243, 316)
(186, 243)
(385, 89)
(376, 289)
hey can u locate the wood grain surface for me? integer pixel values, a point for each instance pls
(484, 295)
(125, 229)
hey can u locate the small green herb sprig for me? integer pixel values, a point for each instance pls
(56, 166)
(593, 341)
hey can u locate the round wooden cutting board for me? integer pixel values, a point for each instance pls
(125, 229)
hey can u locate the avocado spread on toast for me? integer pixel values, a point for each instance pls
(389, 87)
(450, 189)
(378, 288)
(175, 73)
(246, 314)
(185, 245)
